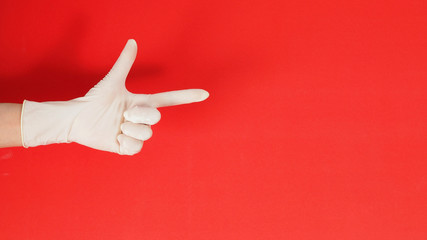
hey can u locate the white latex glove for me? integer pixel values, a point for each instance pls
(108, 117)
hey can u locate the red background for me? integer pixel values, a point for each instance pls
(315, 127)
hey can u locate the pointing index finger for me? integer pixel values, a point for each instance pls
(179, 97)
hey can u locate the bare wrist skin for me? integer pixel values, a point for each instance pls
(10, 124)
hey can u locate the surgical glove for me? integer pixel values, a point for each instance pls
(108, 117)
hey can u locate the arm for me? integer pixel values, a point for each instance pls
(10, 125)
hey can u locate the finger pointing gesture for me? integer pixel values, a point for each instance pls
(108, 117)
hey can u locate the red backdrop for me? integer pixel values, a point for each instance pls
(315, 127)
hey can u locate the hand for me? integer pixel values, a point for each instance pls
(108, 117)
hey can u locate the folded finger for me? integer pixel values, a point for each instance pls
(129, 145)
(138, 131)
(144, 115)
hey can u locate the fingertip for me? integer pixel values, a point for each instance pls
(203, 95)
(197, 95)
(132, 42)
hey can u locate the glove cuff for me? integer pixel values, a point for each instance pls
(45, 123)
(22, 130)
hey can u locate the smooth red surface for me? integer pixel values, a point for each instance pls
(315, 128)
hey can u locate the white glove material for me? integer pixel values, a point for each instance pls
(108, 117)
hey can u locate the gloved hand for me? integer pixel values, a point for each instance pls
(108, 117)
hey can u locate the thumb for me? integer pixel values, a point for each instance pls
(121, 68)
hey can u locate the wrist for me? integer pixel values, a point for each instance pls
(45, 123)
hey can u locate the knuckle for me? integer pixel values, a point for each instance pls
(146, 133)
(156, 115)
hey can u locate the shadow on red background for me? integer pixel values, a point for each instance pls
(59, 73)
